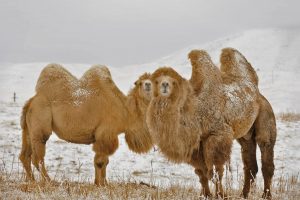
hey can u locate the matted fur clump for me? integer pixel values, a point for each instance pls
(196, 121)
(89, 110)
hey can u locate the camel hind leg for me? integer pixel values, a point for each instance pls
(39, 128)
(25, 155)
(265, 129)
(38, 154)
(248, 150)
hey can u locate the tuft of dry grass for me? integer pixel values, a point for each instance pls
(289, 117)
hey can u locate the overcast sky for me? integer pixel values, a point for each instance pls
(124, 32)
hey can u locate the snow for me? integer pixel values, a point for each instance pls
(273, 53)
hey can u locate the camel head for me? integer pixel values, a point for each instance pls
(144, 86)
(168, 84)
(137, 134)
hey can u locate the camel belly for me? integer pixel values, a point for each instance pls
(242, 124)
(75, 136)
(74, 125)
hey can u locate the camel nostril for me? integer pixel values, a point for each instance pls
(165, 84)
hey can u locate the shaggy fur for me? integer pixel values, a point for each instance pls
(222, 105)
(172, 120)
(91, 110)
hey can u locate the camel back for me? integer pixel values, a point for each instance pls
(59, 85)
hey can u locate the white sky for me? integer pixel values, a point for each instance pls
(123, 32)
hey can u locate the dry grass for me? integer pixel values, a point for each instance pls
(289, 117)
(14, 187)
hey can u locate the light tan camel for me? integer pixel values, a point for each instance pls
(222, 105)
(91, 110)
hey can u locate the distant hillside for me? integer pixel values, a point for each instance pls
(275, 54)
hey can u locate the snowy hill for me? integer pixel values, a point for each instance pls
(275, 54)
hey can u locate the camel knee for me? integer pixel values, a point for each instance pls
(101, 161)
(268, 169)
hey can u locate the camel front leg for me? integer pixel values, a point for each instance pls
(198, 163)
(106, 144)
(218, 183)
(205, 191)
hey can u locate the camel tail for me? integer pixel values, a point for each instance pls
(24, 112)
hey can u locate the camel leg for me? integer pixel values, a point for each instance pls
(219, 186)
(248, 150)
(100, 164)
(198, 163)
(265, 128)
(25, 155)
(38, 154)
(217, 150)
(204, 182)
(267, 158)
(105, 145)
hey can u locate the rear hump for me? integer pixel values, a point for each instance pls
(234, 64)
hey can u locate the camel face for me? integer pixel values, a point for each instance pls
(165, 86)
(144, 86)
(146, 89)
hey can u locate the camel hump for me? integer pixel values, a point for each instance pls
(98, 72)
(51, 73)
(199, 55)
(203, 69)
(234, 64)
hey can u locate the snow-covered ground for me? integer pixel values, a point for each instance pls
(275, 54)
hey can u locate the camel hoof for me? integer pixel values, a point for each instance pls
(101, 183)
(244, 195)
(29, 179)
(267, 195)
(222, 195)
(205, 195)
